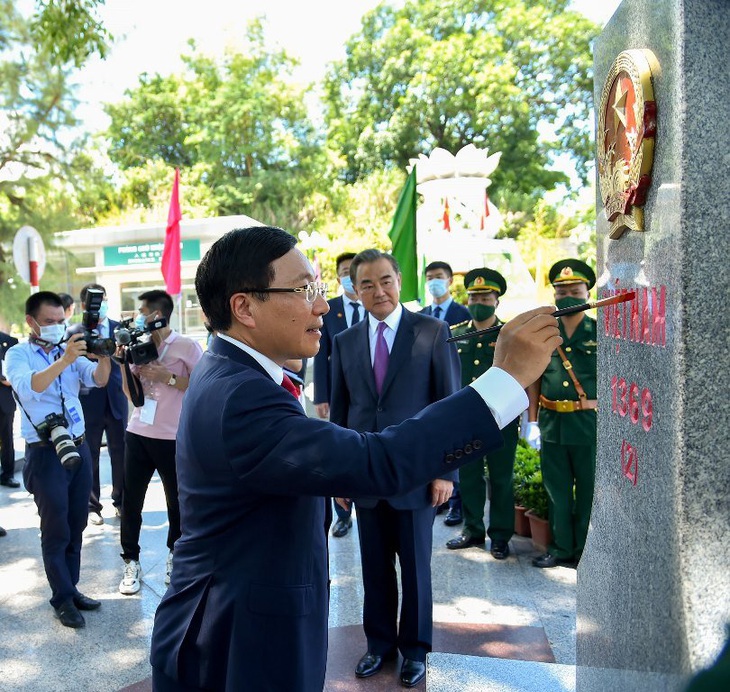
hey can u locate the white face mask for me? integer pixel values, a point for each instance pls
(52, 333)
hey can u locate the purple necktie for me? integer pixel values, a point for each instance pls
(380, 363)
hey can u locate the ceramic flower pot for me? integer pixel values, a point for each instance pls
(540, 530)
(522, 523)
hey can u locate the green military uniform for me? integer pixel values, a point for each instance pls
(477, 355)
(567, 421)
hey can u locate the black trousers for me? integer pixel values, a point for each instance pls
(142, 457)
(386, 533)
(61, 497)
(114, 429)
(7, 448)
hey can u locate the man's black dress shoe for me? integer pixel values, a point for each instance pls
(412, 672)
(547, 560)
(10, 483)
(85, 603)
(3, 532)
(69, 615)
(341, 528)
(463, 541)
(371, 663)
(499, 549)
(453, 518)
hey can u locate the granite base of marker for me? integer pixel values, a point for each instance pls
(449, 672)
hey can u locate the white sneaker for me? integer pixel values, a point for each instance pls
(95, 518)
(168, 569)
(131, 579)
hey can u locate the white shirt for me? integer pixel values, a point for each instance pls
(349, 309)
(392, 322)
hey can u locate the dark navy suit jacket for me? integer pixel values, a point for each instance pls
(422, 368)
(246, 610)
(7, 402)
(333, 323)
(94, 399)
(455, 314)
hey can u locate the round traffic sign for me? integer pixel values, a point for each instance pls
(28, 247)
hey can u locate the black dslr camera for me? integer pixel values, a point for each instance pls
(90, 321)
(54, 430)
(138, 347)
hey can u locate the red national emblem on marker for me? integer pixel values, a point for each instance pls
(625, 140)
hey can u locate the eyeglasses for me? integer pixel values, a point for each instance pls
(310, 291)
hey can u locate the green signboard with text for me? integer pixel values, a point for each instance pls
(147, 253)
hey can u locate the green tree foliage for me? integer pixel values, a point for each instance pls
(37, 57)
(235, 126)
(446, 73)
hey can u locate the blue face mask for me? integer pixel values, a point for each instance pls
(346, 282)
(140, 321)
(438, 287)
(103, 310)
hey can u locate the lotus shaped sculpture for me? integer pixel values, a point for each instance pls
(469, 162)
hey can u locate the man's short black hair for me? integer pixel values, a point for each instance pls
(242, 258)
(37, 300)
(343, 257)
(440, 265)
(67, 300)
(158, 301)
(85, 291)
(368, 256)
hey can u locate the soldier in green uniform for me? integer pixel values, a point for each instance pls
(566, 399)
(484, 288)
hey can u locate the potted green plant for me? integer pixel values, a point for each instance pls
(527, 461)
(536, 498)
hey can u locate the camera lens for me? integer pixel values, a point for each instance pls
(65, 447)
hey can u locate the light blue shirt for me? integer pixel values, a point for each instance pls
(444, 308)
(350, 309)
(22, 362)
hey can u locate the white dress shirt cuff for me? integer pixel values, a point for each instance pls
(502, 393)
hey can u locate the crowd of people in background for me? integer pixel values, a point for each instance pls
(377, 365)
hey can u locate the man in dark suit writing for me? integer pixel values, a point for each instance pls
(252, 465)
(418, 368)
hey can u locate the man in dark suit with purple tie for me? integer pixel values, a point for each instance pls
(384, 371)
(242, 613)
(345, 311)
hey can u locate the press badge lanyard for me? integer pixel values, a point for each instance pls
(71, 411)
(148, 410)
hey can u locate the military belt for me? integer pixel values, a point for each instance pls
(566, 406)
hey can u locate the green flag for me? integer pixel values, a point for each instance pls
(403, 236)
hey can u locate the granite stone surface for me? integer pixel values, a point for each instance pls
(447, 672)
(654, 581)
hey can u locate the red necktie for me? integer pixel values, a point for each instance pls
(290, 387)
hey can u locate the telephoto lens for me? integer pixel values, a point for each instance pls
(65, 447)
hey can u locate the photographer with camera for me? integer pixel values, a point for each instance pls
(105, 410)
(161, 360)
(46, 373)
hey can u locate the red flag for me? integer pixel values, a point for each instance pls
(447, 222)
(171, 253)
(486, 212)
